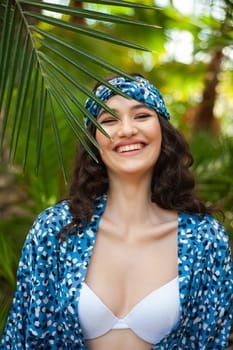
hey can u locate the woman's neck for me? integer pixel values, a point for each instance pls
(129, 199)
(131, 212)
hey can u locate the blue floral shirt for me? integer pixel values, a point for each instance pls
(44, 313)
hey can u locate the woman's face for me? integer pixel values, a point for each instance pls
(135, 140)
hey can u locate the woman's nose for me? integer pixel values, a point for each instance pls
(127, 129)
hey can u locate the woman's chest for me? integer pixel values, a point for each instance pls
(116, 268)
(123, 272)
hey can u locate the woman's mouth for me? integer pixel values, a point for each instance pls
(128, 148)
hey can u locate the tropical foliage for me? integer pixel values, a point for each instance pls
(47, 56)
(48, 65)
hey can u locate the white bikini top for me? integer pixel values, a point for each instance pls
(151, 319)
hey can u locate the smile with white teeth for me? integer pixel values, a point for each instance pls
(128, 148)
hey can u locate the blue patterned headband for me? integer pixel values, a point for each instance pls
(140, 90)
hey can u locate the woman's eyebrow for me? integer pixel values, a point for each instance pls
(106, 112)
(141, 105)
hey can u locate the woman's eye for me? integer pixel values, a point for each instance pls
(108, 121)
(142, 116)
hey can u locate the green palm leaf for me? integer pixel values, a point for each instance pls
(34, 79)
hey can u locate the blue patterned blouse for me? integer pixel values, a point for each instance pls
(44, 313)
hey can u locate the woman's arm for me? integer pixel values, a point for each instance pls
(215, 295)
(14, 336)
(34, 318)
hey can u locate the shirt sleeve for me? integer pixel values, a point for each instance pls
(15, 332)
(34, 318)
(214, 291)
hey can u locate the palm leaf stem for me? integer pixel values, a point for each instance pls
(86, 55)
(120, 3)
(73, 117)
(30, 115)
(86, 31)
(88, 14)
(22, 69)
(24, 95)
(76, 84)
(12, 75)
(40, 122)
(79, 86)
(83, 69)
(79, 105)
(5, 48)
(4, 35)
(65, 108)
(57, 137)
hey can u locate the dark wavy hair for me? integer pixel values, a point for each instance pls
(172, 184)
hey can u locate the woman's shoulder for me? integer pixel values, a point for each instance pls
(51, 220)
(204, 238)
(201, 228)
(58, 214)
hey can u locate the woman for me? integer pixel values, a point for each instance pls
(133, 260)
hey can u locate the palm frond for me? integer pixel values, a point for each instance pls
(82, 13)
(35, 52)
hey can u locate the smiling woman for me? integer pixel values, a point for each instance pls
(132, 259)
(135, 139)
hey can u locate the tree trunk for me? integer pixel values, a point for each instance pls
(76, 19)
(204, 117)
